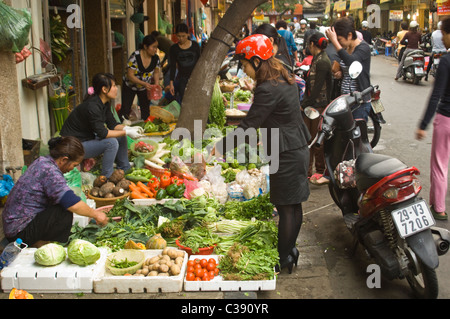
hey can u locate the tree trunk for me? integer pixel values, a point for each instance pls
(197, 98)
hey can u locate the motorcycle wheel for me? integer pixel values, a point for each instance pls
(416, 79)
(373, 130)
(425, 284)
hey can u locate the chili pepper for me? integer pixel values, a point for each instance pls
(165, 181)
(153, 184)
(145, 189)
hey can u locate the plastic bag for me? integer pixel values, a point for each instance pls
(74, 181)
(215, 184)
(14, 28)
(6, 184)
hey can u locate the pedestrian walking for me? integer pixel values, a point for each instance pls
(282, 29)
(143, 69)
(276, 111)
(183, 58)
(439, 107)
(437, 46)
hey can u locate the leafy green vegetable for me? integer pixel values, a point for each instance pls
(198, 237)
(259, 207)
(217, 107)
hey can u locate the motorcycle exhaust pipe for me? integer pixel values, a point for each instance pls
(442, 245)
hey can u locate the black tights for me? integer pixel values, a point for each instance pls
(290, 222)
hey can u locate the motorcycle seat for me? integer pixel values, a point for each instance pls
(370, 168)
(417, 51)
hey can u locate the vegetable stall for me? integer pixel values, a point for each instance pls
(175, 219)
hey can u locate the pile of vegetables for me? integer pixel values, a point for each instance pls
(201, 269)
(150, 186)
(169, 263)
(143, 147)
(157, 125)
(115, 186)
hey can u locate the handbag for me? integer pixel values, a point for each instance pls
(345, 174)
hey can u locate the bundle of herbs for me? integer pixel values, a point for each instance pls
(259, 207)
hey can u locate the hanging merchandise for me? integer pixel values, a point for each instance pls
(164, 26)
(15, 28)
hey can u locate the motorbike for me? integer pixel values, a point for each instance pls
(378, 196)
(300, 47)
(436, 58)
(413, 66)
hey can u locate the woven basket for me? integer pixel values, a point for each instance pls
(100, 202)
(130, 255)
(162, 114)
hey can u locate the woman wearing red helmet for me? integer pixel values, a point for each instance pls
(276, 111)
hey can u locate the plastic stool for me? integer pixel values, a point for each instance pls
(388, 51)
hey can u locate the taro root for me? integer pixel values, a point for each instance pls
(106, 189)
(117, 176)
(100, 180)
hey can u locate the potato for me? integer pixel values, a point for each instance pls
(175, 270)
(166, 250)
(180, 253)
(169, 263)
(166, 258)
(163, 274)
(179, 260)
(154, 266)
(163, 268)
(145, 271)
(153, 260)
(152, 273)
(172, 253)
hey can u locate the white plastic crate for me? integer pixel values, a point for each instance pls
(108, 283)
(67, 277)
(218, 284)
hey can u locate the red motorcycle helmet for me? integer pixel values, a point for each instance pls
(254, 46)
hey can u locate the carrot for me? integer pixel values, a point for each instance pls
(137, 195)
(134, 187)
(145, 189)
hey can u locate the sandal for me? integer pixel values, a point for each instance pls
(320, 181)
(437, 215)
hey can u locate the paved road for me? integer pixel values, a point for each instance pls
(325, 270)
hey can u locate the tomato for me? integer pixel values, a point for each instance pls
(190, 276)
(199, 272)
(211, 274)
(211, 260)
(197, 260)
(216, 271)
(191, 263)
(197, 266)
(190, 269)
(210, 266)
(206, 277)
(198, 279)
(204, 263)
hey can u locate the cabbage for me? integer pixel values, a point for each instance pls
(82, 252)
(50, 254)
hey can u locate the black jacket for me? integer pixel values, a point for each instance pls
(274, 106)
(89, 120)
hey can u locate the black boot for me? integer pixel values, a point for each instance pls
(295, 254)
(287, 263)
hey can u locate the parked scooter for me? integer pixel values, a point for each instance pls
(379, 199)
(413, 66)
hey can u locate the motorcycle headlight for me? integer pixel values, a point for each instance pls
(338, 105)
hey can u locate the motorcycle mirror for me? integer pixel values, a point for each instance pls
(355, 69)
(311, 113)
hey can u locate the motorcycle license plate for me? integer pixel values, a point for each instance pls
(418, 70)
(436, 61)
(377, 106)
(412, 219)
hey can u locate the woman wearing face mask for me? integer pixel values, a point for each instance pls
(143, 68)
(276, 111)
(93, 123)
(350, 49)
(40, 206)
(183, 58)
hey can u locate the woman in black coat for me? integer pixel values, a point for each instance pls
(276, 112)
